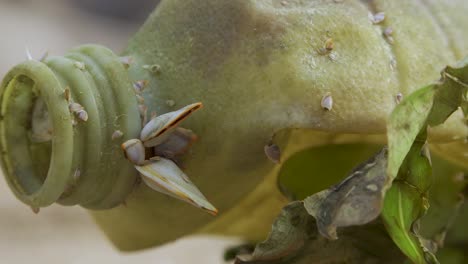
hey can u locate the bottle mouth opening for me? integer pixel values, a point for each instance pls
(35, 169)
(57, 120)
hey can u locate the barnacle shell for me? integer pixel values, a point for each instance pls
(327, 102)
(165, 176)
(134, 151)
(160, 127)
(176, 144)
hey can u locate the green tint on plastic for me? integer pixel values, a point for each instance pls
(82, 164)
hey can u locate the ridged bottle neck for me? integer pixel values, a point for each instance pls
(88, 99)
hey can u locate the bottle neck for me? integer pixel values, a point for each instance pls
(62, 122)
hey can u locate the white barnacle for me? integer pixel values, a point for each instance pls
(82, 115)
(398, 97)
(158, 172)
(164, 176)
(117, 134)
(154, 68)
(329, 44)
(126, 61)
(327, 102)
(159, 128)
(75, 107)
(377, 18)
(78, 111)
(273, 152)
(80, 65)
(140, 85)
(134, 151)
(388, 34)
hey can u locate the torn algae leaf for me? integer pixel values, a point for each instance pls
(430, 105)
(290, 231)
(406, 201)
(294, 239)
(357, 200)
(406, 121)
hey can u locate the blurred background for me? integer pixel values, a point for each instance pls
(67, 234)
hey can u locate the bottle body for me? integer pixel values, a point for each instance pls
(257, 69)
